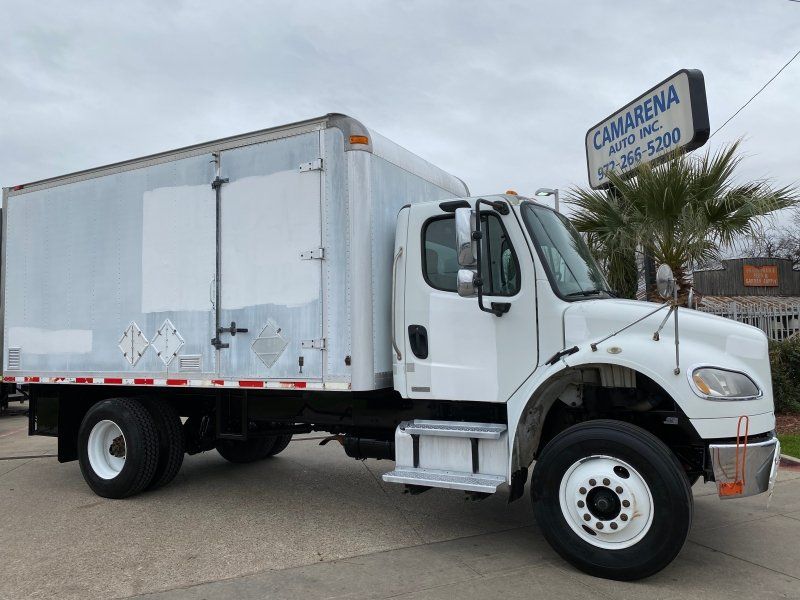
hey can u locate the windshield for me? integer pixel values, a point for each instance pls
(572, 269)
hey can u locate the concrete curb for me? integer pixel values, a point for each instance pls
(795, 462)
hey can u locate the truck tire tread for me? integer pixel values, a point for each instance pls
(172, 446)
(246, 451)
(281, 443)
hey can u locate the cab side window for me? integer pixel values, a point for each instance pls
(500, 268)
(439, 259)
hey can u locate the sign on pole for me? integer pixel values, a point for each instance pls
(672, 116)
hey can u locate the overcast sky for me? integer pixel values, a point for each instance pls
(499, 93)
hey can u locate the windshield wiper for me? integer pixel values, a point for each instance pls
(590, 293)
(584, 293)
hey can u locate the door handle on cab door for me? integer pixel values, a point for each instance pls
(418, 340)
(394, 293)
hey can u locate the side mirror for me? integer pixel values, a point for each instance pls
(466, 247)
(466, 283)
(665, 282)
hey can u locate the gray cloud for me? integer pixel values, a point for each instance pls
(499, 93)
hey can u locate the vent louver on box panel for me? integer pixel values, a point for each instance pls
(14, 356)
(190, 362)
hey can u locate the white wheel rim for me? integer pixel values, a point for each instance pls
(606, 502)
(107, 449)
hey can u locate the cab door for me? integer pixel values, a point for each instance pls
(453, 350)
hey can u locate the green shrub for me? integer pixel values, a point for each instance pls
(784, 358)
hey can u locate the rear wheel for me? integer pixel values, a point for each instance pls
(118, 447)
(170, 441)
(612, 500)
(246, 451)
(281, 442)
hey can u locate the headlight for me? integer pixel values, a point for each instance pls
(720, 384)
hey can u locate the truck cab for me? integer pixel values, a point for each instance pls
(498, 299)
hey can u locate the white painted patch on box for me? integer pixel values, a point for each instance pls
(34, 340)
(267, 221)
(178, 248)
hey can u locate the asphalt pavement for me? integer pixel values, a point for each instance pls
(312, 523)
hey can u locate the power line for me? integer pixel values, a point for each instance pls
(763, 87)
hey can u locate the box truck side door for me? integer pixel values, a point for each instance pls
(271, 260)
(453, 350)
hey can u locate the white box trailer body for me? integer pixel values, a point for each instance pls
(115, 272)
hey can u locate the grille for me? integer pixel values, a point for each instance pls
(14, 355)
(190, 362)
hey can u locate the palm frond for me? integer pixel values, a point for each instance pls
(680, 212)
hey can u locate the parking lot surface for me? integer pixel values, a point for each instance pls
(312, 523)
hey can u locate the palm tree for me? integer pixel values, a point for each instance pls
(682, 212)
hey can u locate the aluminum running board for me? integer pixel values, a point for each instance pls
(471, 482)
(490, 431)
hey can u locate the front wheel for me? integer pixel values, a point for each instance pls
(612, 500)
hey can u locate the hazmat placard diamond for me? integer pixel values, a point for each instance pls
(167, 342)
(133, 344)
(269, 344)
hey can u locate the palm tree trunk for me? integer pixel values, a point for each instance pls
(683, 283)
(623, 276)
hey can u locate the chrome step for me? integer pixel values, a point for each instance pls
(471, 482)
(490, 431)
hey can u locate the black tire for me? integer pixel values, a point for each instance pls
(139, 445)
(170, 441)
(672, 502)
(281, 442)
(247, 451)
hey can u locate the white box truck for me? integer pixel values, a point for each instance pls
(318, 277)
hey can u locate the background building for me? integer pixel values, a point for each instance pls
(764, 292)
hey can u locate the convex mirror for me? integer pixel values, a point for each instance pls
(665, 281)
(466, 283)
(466, 247)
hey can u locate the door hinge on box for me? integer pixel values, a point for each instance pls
(314, 165)
(318, 344)
(316, 253)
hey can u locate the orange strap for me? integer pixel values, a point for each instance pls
(736, 487)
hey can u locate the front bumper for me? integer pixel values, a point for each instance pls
(756, 470)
